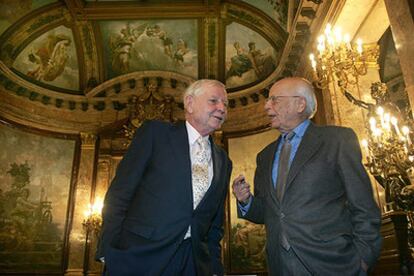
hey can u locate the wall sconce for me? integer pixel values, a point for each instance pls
(93, 216)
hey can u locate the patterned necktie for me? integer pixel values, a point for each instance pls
(283, 169)
(199, 169)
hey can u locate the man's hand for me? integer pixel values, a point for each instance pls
(241, 189)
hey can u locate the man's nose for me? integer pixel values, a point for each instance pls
(221, 106)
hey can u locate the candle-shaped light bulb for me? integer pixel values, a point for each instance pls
(406, 132)
(328, 29)
(380, 110)
(364, 143)
(321, 48)
(313, 62)
(359, 45)
(387, 118)
(394, 122)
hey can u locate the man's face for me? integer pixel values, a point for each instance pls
(284, 107)
(207, 111)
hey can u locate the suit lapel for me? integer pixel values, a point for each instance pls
(271, 158)
(309, 145)
(181, 150)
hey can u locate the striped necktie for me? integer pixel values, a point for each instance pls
(283, 169)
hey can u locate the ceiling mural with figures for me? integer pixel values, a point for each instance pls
(51, 59)
(91, 58)
(169, 45)
(249, 57)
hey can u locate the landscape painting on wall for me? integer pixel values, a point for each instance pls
(167, 45)
(35, 179)
(51, 59)
(246, 240)
(249, 57)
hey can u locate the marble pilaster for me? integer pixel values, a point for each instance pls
(402, 26)
(78, 238)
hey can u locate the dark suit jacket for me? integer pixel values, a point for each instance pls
(149, 205)
(327, 212)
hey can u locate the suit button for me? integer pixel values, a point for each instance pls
(282, 215)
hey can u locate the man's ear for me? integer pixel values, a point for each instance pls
(301, 105)
(188, 103)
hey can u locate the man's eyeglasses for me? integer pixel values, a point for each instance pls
(276, 99)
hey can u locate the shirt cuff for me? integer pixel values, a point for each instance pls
(244, 208)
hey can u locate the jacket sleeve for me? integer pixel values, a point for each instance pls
(255, 213)
(124, 186)
(216, 231)
(366, 216)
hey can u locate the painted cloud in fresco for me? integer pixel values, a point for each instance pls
(169, 45)
(51, 59)
(249, 57)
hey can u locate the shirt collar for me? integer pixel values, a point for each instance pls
(301, 128)
(193, 134)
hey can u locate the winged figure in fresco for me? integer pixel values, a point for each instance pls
(121, 45)
(50, 58)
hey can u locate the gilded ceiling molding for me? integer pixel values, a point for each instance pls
(90, 56)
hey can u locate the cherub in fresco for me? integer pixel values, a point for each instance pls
(50, 58)
(263, 64)
(240, 63)
(121, 45)
(167, 42)
(181, 51)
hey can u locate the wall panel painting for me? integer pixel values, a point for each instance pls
(51, 59)
(246, 240)
(249, 56)
(35, 179)
(167, 45)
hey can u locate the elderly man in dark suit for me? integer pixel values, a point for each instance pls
(311, 192)
(164, 211)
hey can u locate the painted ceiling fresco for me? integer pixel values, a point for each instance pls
(249, 57)
(12, 10)
(50, 47)
(51, 59)
(169, 45)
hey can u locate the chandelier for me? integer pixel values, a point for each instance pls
(339, 61)
(389, 148)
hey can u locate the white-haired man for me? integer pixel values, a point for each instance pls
(311, 191)
(164, 211)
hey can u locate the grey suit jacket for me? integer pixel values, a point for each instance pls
(149, 205)
(327, 212)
